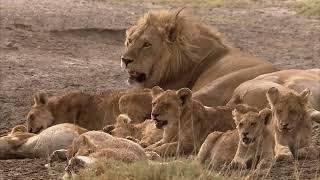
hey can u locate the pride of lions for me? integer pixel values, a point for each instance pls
(195, 96)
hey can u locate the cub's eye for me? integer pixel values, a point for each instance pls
(146, 45)
(279, 111)
(129, 41)
(253, 124)
(240, 124)
(31, 117)
(153, 104)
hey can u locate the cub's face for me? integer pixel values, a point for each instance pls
(250, 125)
(167, 106)
(288, 109)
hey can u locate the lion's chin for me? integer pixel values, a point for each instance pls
(160, 124)
(248, 141)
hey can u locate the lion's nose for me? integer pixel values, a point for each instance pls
(126, 60)
(245, 134)
(154, 115)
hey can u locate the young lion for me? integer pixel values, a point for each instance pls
(91, 111)
(92, 146)
(253, 137)
(186, 122)
(292, 125)
(144, 133)
(21, 144)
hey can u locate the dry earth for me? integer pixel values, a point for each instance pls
(57, 46)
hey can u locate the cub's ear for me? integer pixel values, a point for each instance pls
(236, 115)
(40, 98)
(266, 115)
(273, 95)
(304, 95)
(184, 94)
(156, 90)
(123, 119)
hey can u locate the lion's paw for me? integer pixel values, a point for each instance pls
(237, 165)
(284, 157)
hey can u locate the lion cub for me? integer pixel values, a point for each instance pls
(144, 133)
(21, 144)
(291, 124)
(244, 147)
(186, 122)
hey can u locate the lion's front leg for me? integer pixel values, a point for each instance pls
(153, 146)
(167, 149)
(310, 152)
(283, 152)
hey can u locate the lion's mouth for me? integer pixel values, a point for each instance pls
(247, 140)
(137, 76)
(160, 123)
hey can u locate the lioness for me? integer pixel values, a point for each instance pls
(250, 144)
(144, 133)
(253, 92)
(171, 50)
(291, 124)
(186, 122)
(21, 144)
(88, 110)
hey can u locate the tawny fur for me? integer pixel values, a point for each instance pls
(186, 122)
(222, 148)
(292, 125)
(88, 110)
(144, 133)
(21, 144)
(175, 51)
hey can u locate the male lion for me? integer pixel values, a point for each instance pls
(186, 122)
(291, 124)
(249, 145)
(253, 92)
(173, 51)
(88, 110)
(21, 144)
(144, 133)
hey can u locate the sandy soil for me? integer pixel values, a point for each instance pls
(57, 46)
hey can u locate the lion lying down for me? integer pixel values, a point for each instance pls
(172, 50)
(248, 146)
(94, 146)
(292, 125)
(144, 133)
(253, 92)
(21, 144)
(91, 111)
(186, 122)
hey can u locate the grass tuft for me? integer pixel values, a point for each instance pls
(308, 7)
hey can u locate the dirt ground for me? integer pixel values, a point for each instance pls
(57, 46)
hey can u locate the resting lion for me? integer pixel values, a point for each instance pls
(253, 92)
(21, 144)
(186, 122)
(94, 146)
(144, 133)
(171, 50)
(88, 110)
(254, 147)
(292, 125)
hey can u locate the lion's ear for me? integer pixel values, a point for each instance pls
(273, 95)
(40, 98)
(123, 119)
(184, 94)
(266, 115)
(156, 90)
(236, 115)
(304, 95)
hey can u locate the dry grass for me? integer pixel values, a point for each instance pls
(181, 169)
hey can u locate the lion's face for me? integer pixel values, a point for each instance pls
(167, 106)
(251, 124)
(145, 55)
(123, 127)
(39, 117)
(288, 109)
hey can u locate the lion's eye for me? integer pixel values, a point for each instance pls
(253, 124)
(31, 117)
(153, 104)
(279, 111)
(240, 124)
(146, 44)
